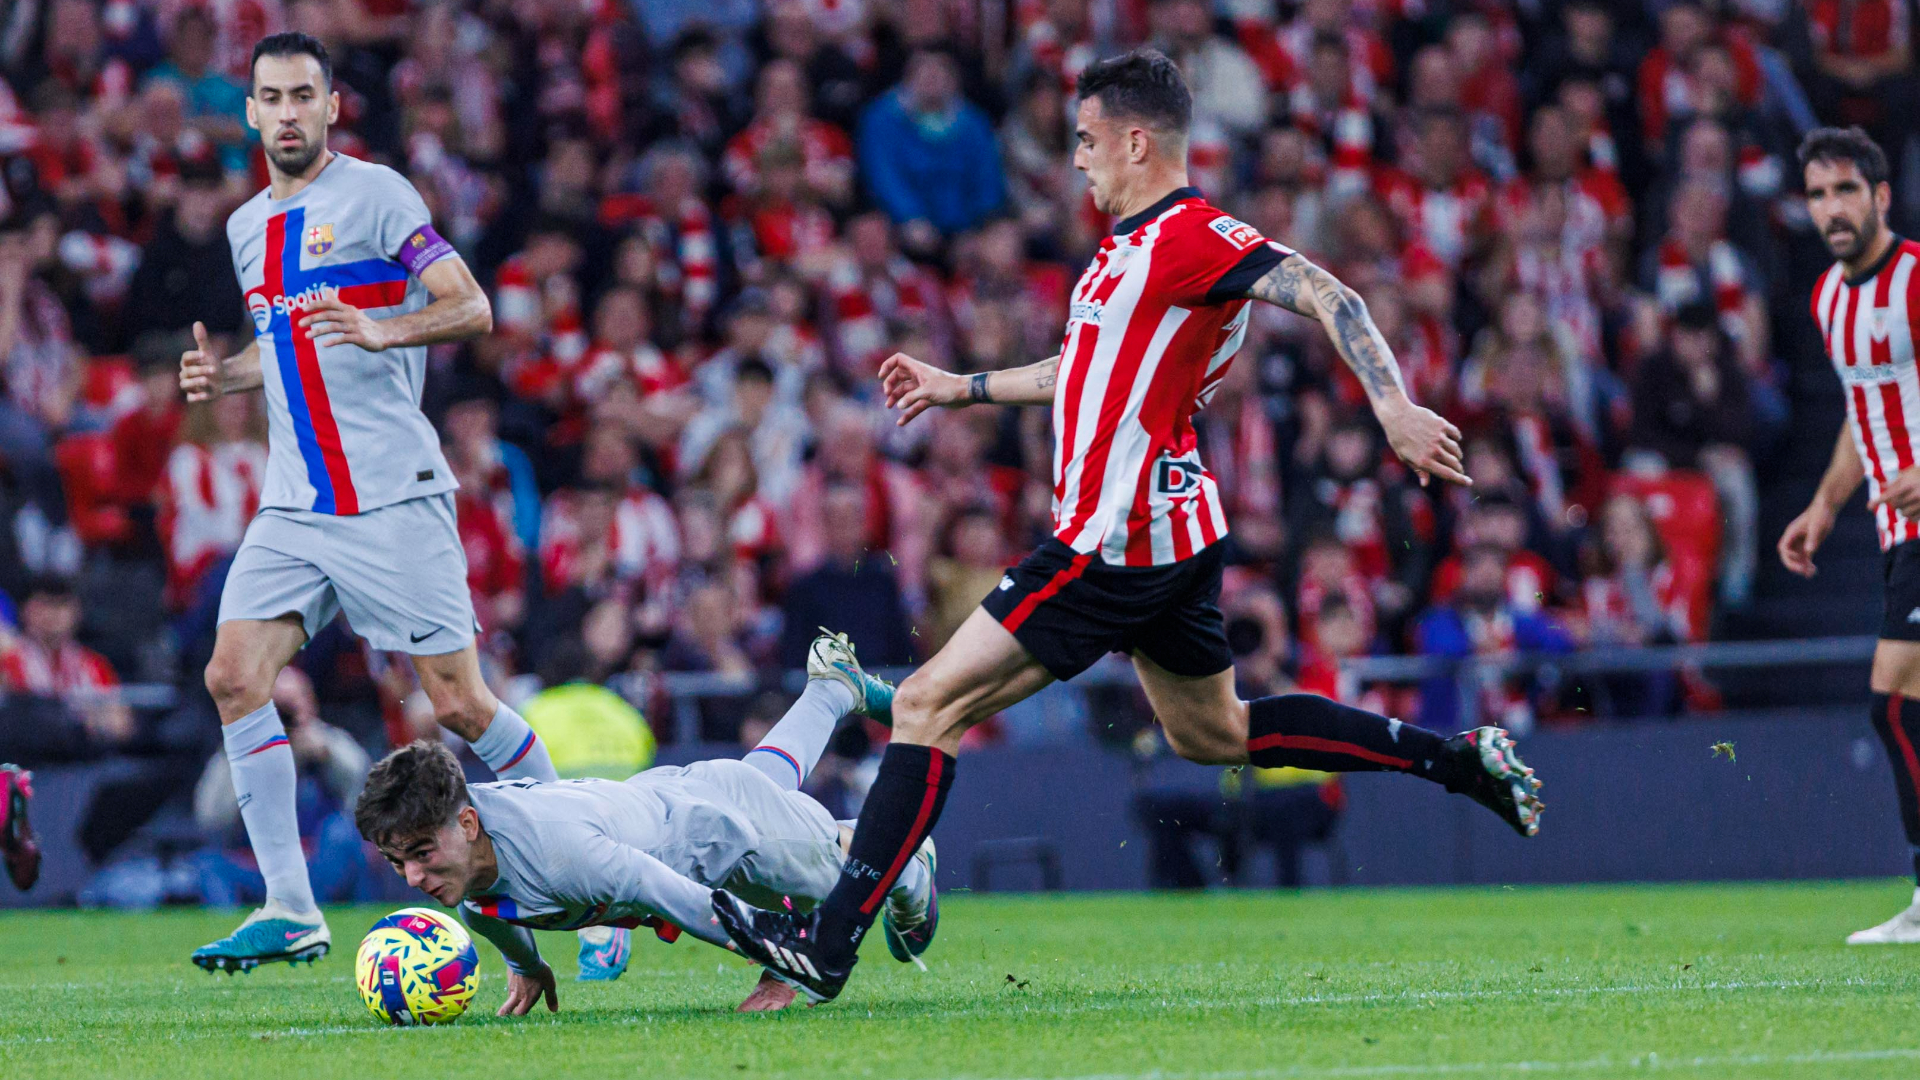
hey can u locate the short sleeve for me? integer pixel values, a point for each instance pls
(1213, 258)
(404, 228)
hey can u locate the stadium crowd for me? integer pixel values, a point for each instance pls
(703, 225)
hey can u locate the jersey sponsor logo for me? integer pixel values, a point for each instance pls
(1177, 475)
(1874, 374)
(261, 309)
(1087, 312)
(300, 301)
(1234, 231)
(320, 240)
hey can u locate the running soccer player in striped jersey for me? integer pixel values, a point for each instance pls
(1867, 307)
(347, 284)
(1134, 564)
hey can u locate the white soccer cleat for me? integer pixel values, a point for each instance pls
(831, 657)
(1902, 929)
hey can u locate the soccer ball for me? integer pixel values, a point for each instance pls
(417, 966)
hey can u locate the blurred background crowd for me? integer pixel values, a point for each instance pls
(704, 224)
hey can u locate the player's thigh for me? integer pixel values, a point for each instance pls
(401, 575)
(979, 671)
(248, 655)
(1203, 716)
(1896, 660)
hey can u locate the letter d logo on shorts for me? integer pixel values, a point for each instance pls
(262, 312)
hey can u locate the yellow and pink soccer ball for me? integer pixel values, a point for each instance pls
(417, 966)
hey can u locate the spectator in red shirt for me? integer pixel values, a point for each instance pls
(211, 489)
(44, 660)
(1864, 70)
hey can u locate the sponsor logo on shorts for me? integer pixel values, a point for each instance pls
(418, 638)
(1913, 617)
(1006, 582)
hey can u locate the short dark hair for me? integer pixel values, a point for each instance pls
(291, 43)
(1144, 85)
(410, 793)
(1837, 144)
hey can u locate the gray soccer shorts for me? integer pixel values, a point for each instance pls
(398, 571)
(796, 853)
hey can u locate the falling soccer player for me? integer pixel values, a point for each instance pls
(647, 851)
(347, 283)
(1134, 564)
(1867, 307)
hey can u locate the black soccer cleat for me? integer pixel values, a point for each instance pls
(1489, 772)
(786, 945)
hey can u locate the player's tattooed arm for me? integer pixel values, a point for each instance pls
(914, 386)
(1422, 438)
(459, 311)
(204, 375)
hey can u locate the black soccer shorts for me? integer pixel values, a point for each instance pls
(1901, 568)
(1070, 609)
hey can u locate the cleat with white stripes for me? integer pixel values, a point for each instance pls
(788, 946)
(1902, 929)
(1491, 773)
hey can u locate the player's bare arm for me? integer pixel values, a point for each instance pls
(915, 386)
(1423, 438)
(1806, 533)
(204, 375)
(460, 310)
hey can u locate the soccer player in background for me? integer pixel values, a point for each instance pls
(1867, 307)
(517, 856)
(347, 283)
(1135, 561)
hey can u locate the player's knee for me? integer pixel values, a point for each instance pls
(236, 684)
(922, 712)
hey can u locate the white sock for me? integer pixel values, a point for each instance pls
(910, 888)
(791, 750)
(263, 777)
(512, 750)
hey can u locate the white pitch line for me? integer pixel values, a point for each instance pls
(1649, 1062)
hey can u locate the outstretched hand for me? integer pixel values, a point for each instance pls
(1426, 442)
(524, 990)
(914, 386)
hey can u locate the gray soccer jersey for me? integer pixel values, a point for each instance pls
(643, 850)
(345, 430)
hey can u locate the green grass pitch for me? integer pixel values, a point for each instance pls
(1690, 981)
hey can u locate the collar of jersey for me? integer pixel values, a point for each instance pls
(1154, 211)
(324, 169)
(1879, 264)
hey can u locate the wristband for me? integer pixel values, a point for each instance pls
(977, 388)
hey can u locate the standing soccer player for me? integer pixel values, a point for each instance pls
(347, 283)
(1867, 306)
(1134, 564)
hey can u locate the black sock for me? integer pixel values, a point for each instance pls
(1307, 731)
(900, 811)
(1898, 722)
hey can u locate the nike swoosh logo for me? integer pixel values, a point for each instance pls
(418, 638)
(291, 934)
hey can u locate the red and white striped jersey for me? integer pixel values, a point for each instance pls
(1869, 324)
(1154, 323)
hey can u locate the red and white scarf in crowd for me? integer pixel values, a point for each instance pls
(1678, 283)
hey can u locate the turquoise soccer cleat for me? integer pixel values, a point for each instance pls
(831, 657)
(270, 935)
(603, 953)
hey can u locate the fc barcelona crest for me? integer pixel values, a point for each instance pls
(319, 240)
